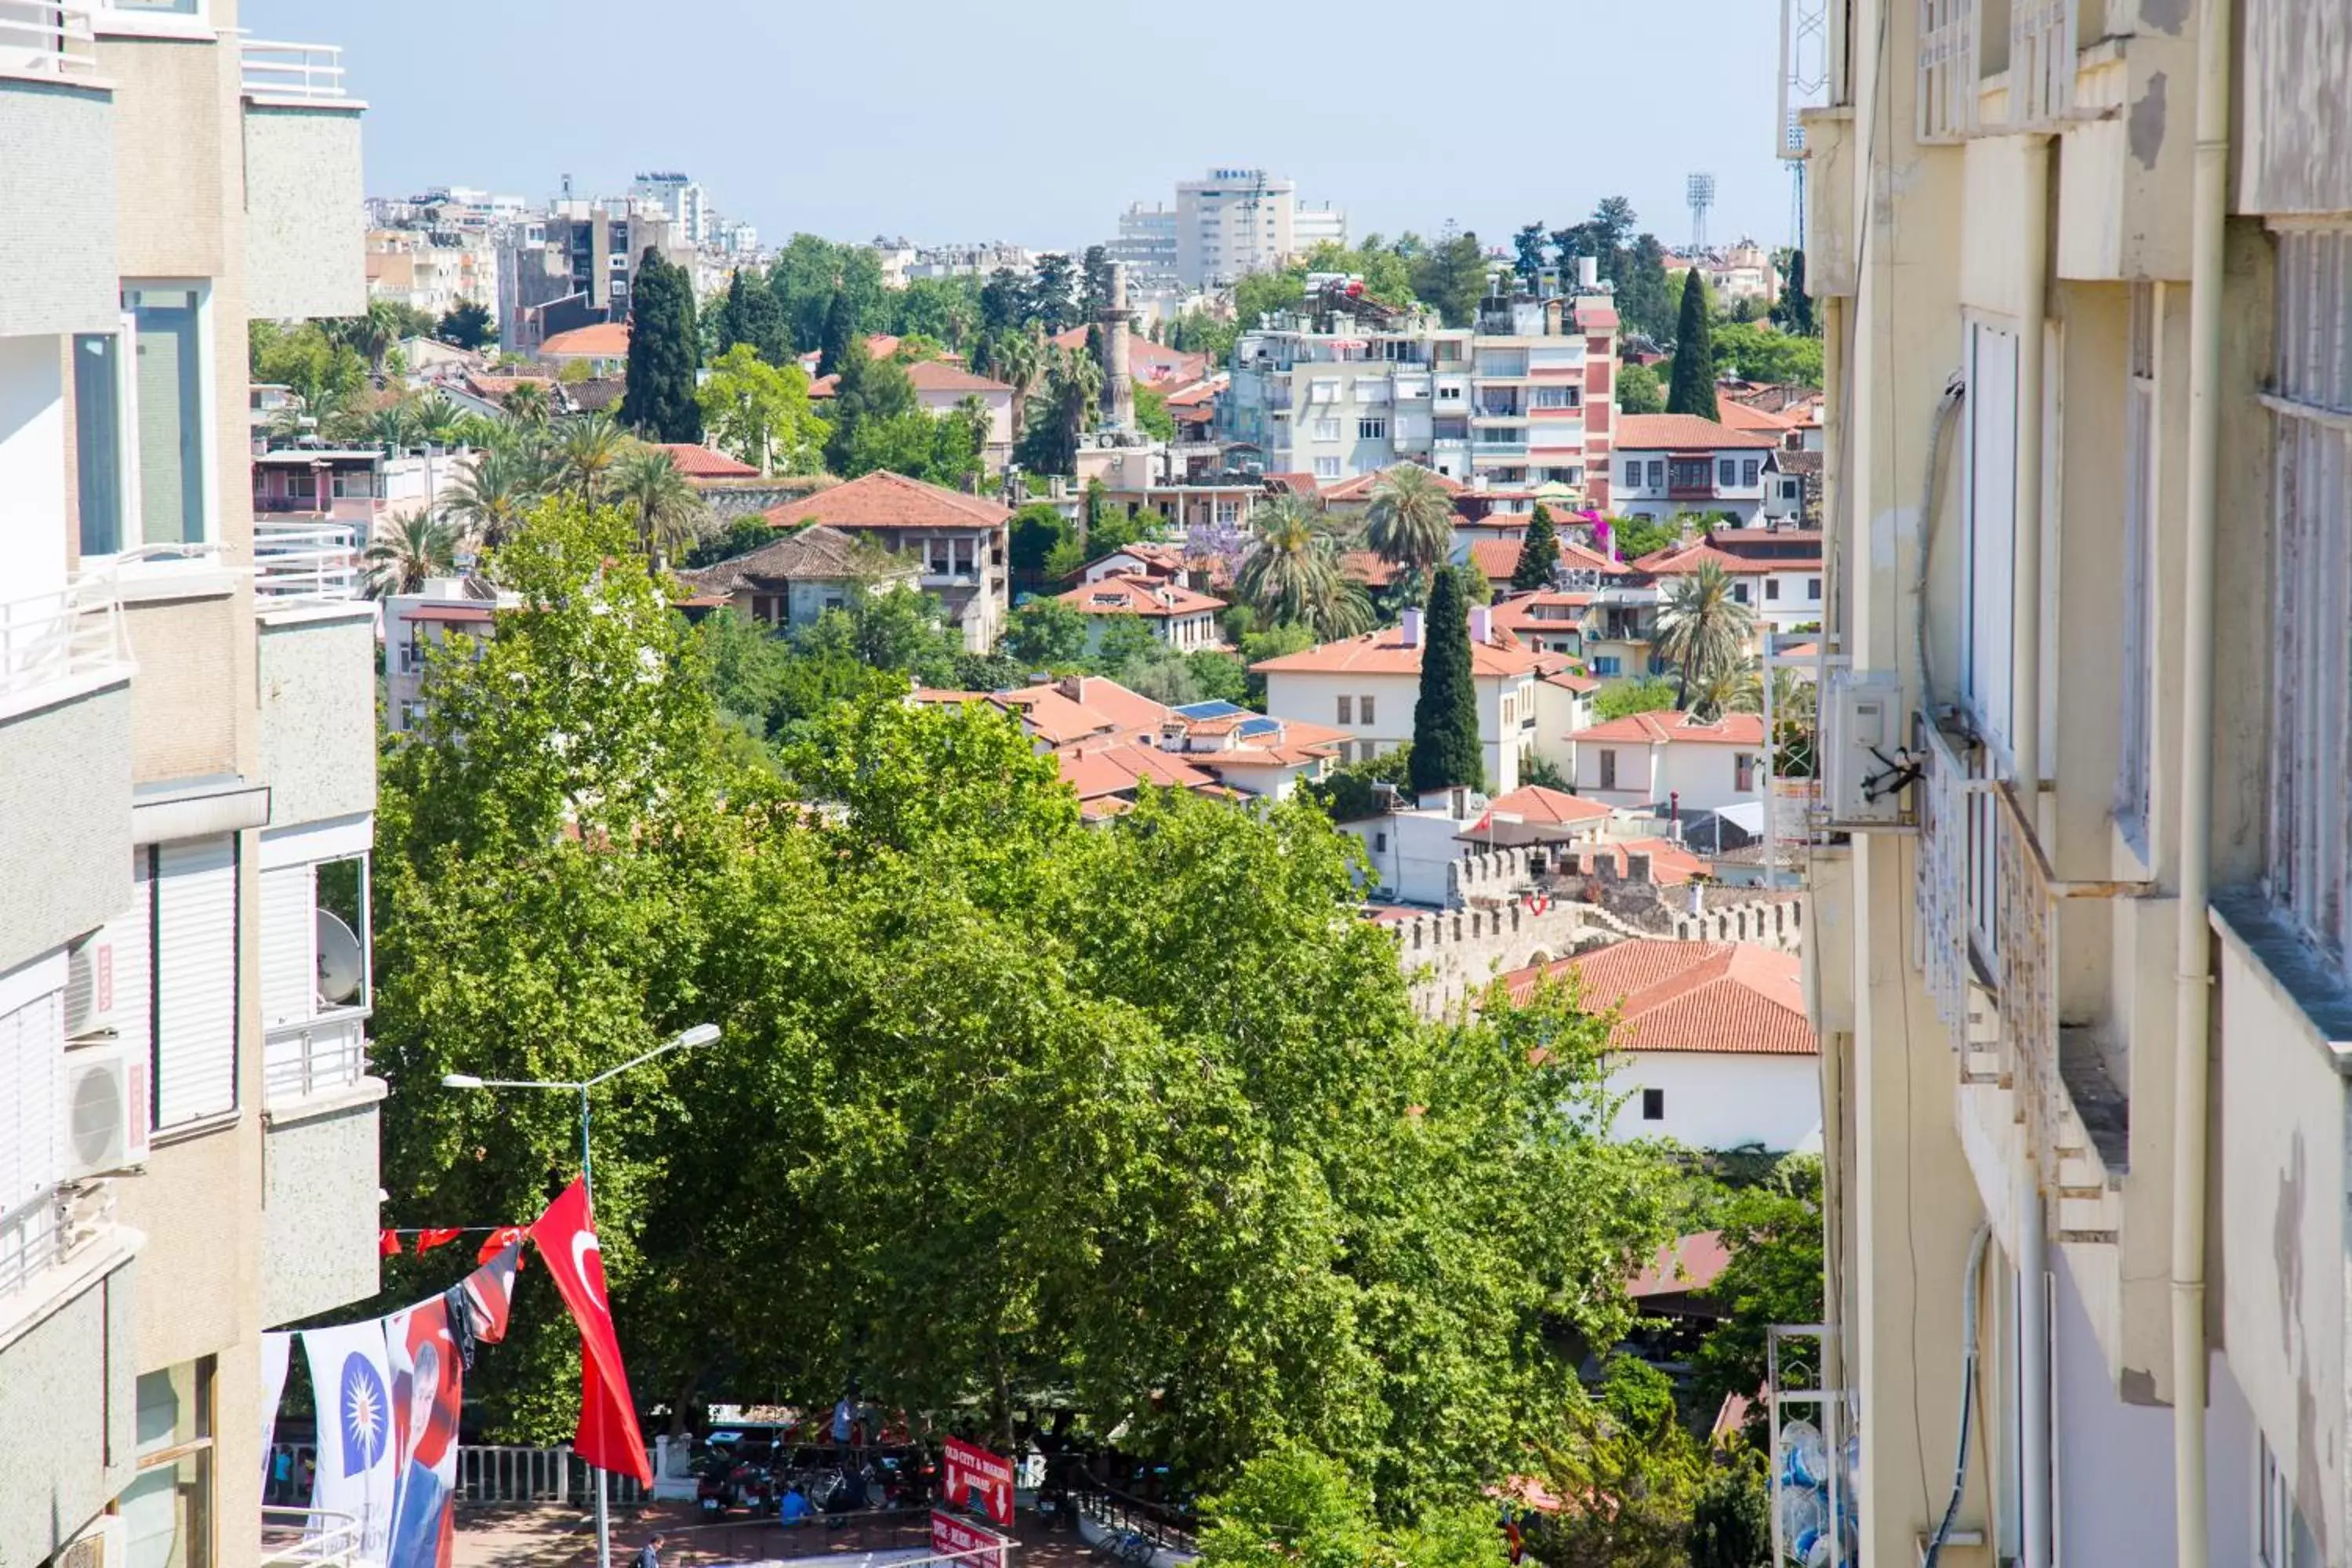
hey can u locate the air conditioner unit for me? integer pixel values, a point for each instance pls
(106, 1112)
(90, 985)
(1864, 763)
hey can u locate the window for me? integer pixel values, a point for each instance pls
(1813, 589)
(1609, 763)
(1371, 429)
(102, 457)
(1788, 490)
(2281, 1537)
(1750, 470)
(169, 406)
(1727, 473)
(767, 607)
(2138, 567)
(1326, 468)
(192, 890)
(167, 1510)
(1988, 515)
(1229, 512)
(1346, 708)
(1557, 397)
(1449, 394)
(1743, 772)
(1632, 473)
(1654, 1105)
(1381, 842)
(1364, 706)
(2313, 491)
(1657, 473)
(1510, 710)
(1327, 430)
(1771, 587)
(1323, 390)
(1605, 664)
(1739, 593)
(1686, 473)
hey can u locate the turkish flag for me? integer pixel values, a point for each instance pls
(608, 1437)
(427, 1240)
(498, 1242)
(387, 1244)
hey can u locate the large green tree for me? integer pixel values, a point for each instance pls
(1452, 276)
(1538, 552)
(750, 315)
(663, 353)
(1703, 626)
(1692, 388)
(1446, 750)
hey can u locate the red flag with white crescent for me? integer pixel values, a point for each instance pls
(608, 1438)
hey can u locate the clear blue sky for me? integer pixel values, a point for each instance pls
(1036, 120)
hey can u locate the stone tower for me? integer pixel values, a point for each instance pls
(1118, 382)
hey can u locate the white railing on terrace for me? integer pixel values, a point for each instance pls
(50, 1229)
(1947, 68)
(37, 38)
(304, 563)
(315, 1057)
(309, 71)
(2041, 61)
(58, 636)
(308, 1538)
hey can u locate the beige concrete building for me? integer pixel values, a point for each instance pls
(188, 1126)
(2082, 987)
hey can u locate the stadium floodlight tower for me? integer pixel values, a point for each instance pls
(1702, 197)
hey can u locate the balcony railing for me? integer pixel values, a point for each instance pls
(307, 562)
(306, 1538)
(308, 71)
(1943, 877)
(1948, 69)
(37, 38)
(52, 1228)
(316, 1057)
(2041, 61)
(62, 635)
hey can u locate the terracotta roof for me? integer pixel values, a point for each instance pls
(885, 500)
(1686, 1264)
(1363, 566)
(1519, 614)
(1129, 710)
(696, 461)
(1582, 685)
(880, 345)
(1781, 398)
(498, 386)
(1384, 652)
(599, 340)
(1536, 802)
(811, 554)
(1361, 486)
(1055, 718)
(1295, 484)
(1738, 415)
(1497, 558)
(1595, 314)
(1114, 769)
(1670, 865)
(1660, 727)
(1077, 713)
(937, 375)
(1730, 997)
(1681, 433)
(1203, 392)
(825, 385)
(1736, 538)
(468, 614)
(1675, 559)
(1120, 595)
(1583, 557)
(599, 391)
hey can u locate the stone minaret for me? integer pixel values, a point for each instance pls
(1118, 382)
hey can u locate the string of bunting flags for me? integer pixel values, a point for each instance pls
(389, 1392)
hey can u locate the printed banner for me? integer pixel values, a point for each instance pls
(353, 1389)
(978, 1479)
(490, 1293)
(277, 1350)
(965, 1541)
(608, 1437)
(426, 1387)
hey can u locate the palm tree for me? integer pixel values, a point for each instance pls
(1702, 625)
(1073, 391)
(1412, 518)
(506, 482)
(439, 421)
(394, 427)
(408, 550)
(586, 447)
(527, 401)
(1729, 688)
(647, 483)
(1020, 359)
(1291, 574)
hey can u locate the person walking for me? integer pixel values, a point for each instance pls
(649, 1555)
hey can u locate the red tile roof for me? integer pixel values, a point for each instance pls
(937, 375)
(825, 385)
(1681, 433)
(1577, 557)
(1114, 769)
(1371, 570)
(1662, 728)
(1686, 1264)
(1675, 559)
(1361, 486)
(1120, 595)
(1536, 802)
(1731, 998)
(885, 500)
(1545, 611)
(1384, 652)
(1497, 558)
(1738, 415)
(696, 461)
(600, 340)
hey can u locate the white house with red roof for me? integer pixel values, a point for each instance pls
(1411, 850)
(957, 540)
(1366, 686)
(1666, 464)
(1670, 758)
(1776, 573)
(1177, 616)
(1711, 1046)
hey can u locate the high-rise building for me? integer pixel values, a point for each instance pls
(1231, 222)
(187, 782)
(2076, 841)
(680, 200)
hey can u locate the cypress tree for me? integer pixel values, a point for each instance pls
(840, 329)
(1693, 390)
(659, 398)
(1538, 552)
(731, 313)
(1446, 715)
(763, 325)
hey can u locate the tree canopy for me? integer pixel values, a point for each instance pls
(664, 351)
(1692, 388)
(1538, 552)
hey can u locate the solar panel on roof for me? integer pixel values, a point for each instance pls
(1212, 709)
(1261, 726)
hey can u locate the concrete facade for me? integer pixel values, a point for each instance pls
(318, 712)
(322, 1164)
(58, 180)
(64, 1449)
(306, 227)
(1718, 1099)
(66, 767)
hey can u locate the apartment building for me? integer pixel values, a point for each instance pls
(1231, 223)
(188, 781)
(2078, 959)
(1676, 463)
(433, 270)
(1521, 406)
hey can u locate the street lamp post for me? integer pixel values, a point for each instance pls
(700, 1035)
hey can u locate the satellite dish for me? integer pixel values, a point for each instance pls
(342, 962)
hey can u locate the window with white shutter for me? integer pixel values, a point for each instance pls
(1990, 520)
(196, 981)
(289, 967)
(32, 1107)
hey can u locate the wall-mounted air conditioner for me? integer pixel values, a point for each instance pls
(1864, 767)
(106, 1112)
(90, 996)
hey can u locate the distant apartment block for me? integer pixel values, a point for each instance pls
(1226, 224)
(433, 269)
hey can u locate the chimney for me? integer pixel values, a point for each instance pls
(1412, 627)
(1482, 624)
(1588, 272)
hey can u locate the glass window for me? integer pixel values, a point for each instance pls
(160, 8)
(1749, 470)
(167, 1510)
(1371, 429)
(1326, 468)
(170, 412)
(1364, 706)
(1726, 473)
(97, 440)
(1633, 473)
(1347, 710)
(1657, 473)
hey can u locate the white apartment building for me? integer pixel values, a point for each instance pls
(2081, 988)
(188, 781)
(1231, 223)
(679, 199)
(1146, 243)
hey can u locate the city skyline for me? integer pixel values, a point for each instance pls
(894, 175)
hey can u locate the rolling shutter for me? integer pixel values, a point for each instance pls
(32, 1100)
(289, 971)
(195, 980)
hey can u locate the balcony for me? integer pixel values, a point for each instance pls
(303, 564)
(1948, 57)
(317, 678)
(56, 118)
(1483, 448)
(306, 226)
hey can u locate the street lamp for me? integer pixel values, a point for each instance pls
(700, 1035)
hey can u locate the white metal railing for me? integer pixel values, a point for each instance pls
(2041, 61)
(304, 563)
(1942, 893)
(60, 634)
(38, 38)
(497, 1473)
(314, 1057)
(1948, 69)
(279, 69)
(30, 1235)
(308, 1538)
